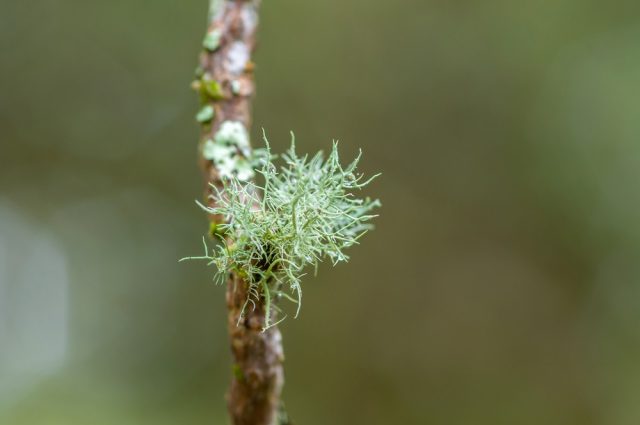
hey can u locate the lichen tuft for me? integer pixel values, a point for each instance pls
(305, 211)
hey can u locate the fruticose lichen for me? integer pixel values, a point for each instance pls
(303, 212)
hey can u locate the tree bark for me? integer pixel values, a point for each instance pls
(225, 65)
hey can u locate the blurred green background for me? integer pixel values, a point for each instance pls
(501, 284)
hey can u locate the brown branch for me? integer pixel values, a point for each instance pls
(227, 84)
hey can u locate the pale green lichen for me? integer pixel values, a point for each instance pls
(205, 114)
(235, 87)
(230, 152)
(215, 8)
(211, 41)
(304, 211)
(234, 133)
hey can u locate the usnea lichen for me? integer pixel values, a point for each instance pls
(305, 211)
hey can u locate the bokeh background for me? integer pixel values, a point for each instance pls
(500, 287)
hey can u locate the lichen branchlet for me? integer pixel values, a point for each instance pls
(304, 211)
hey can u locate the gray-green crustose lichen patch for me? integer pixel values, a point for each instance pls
(230, 152)
(234, 133)
(303, 212)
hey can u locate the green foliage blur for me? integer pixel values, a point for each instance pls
(500, 286)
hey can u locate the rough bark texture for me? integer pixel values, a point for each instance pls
(254, 395)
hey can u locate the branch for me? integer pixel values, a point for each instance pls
(226, 87)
